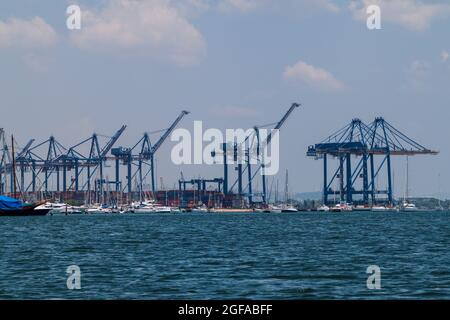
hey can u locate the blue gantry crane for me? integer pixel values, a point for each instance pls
(50, 158)
(366, 143)
(253, 148)
(145, 157)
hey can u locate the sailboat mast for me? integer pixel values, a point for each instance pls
(13, 166)
(286, 188)
(407, 177)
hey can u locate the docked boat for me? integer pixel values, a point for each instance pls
(379, 208)
(15, 208)
(175, 210)
(361, 208)
(341, 207)
(288, 209)
(150, 207)
(273, 209)
(408, 207)
(323, 208)
(232, 210)
(55, 207)
(201, 209)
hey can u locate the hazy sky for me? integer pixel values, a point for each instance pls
(232, 63)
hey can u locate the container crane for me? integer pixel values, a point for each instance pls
(263, 145)
(248, 153)
(158, 144)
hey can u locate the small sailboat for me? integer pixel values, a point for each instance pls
(407, 206)
(13, 207)
(287, 207)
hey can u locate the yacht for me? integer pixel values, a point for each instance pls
(341, 207)
(150, 207)
(54, 207)
(273, 209)
(162, 209)
(407, 206)
(201, 209)
(175, 210)
(323, 208)
(379, 208)
(288, 208)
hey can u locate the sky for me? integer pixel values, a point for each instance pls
(233, 64)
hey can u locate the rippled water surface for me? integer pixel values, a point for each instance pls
(223, 256)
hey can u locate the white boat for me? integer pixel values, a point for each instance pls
(323, 208)
(407, 206)
(379, 208)
(144, 209)
(341, 207)
(175, 210)
(273, 209)
(151, 207)
(361, 208)
(162, 209)
(93, 210)
(201, 209)
(55, 207)
(288, 208)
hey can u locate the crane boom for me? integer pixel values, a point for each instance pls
(266, 142)
(168, 131)
(25, 149)
(111, 142)
(282, 121)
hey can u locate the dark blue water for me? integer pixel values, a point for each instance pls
(223, 256)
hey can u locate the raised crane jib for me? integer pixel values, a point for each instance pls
(25, 149)
(161, 140)
(282, 121)
(111, 142)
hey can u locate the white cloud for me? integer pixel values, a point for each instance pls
(240, 5)
(33, 33)
(224, 6)
(312, 76)
(327, 5)
(444, 56)
(153, 25)
(411, 14)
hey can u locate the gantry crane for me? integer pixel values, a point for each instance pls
(146, 156)
(248, 146)
(365, 141)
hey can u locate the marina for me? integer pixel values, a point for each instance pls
(216, 158)
(26, 175)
